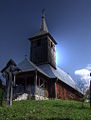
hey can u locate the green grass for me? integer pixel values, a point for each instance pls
(46, 110)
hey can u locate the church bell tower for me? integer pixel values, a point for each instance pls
(42, 46)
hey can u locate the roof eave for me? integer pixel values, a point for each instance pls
(40, 35)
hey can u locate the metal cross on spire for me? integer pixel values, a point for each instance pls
(43, 27)
(43, 13)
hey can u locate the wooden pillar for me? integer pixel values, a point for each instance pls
(8, 93)
(14, 86)
(39, 87)
(25, 84)
(14, 80)
(11, 88)
(39, 82)
(35, 82)
(55, 88)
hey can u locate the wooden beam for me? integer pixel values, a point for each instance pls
(35, 82)
(14, 81)
(55, 90)
(39, 88)
(8, 92)
(39, 82)
(11, 88)
(25, 84)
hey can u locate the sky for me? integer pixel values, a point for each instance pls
(68, 21)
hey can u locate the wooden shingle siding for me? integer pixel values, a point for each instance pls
(43, 51)
(66, 92)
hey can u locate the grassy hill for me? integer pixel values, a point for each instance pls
(46, 110)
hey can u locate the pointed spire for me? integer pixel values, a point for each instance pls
(43, 27)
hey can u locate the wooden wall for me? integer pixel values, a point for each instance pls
(43, 51)
(66, 92)
(47, 87)
(51, 53)
(38, 51)
(51, 89)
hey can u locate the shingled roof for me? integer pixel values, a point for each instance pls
(49, 71)
(27, 65)
(60, 74)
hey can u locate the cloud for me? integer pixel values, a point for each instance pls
(88, 67)
(84, 74)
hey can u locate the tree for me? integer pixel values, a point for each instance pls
(83, 86)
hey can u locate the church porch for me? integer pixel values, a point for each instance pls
(31, 84)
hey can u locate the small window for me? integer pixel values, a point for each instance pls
(53, 48)
(51, 44)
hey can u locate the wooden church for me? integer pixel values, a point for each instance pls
(39, 77)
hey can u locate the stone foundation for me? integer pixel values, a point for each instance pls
(26, 96)
(37, 97)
